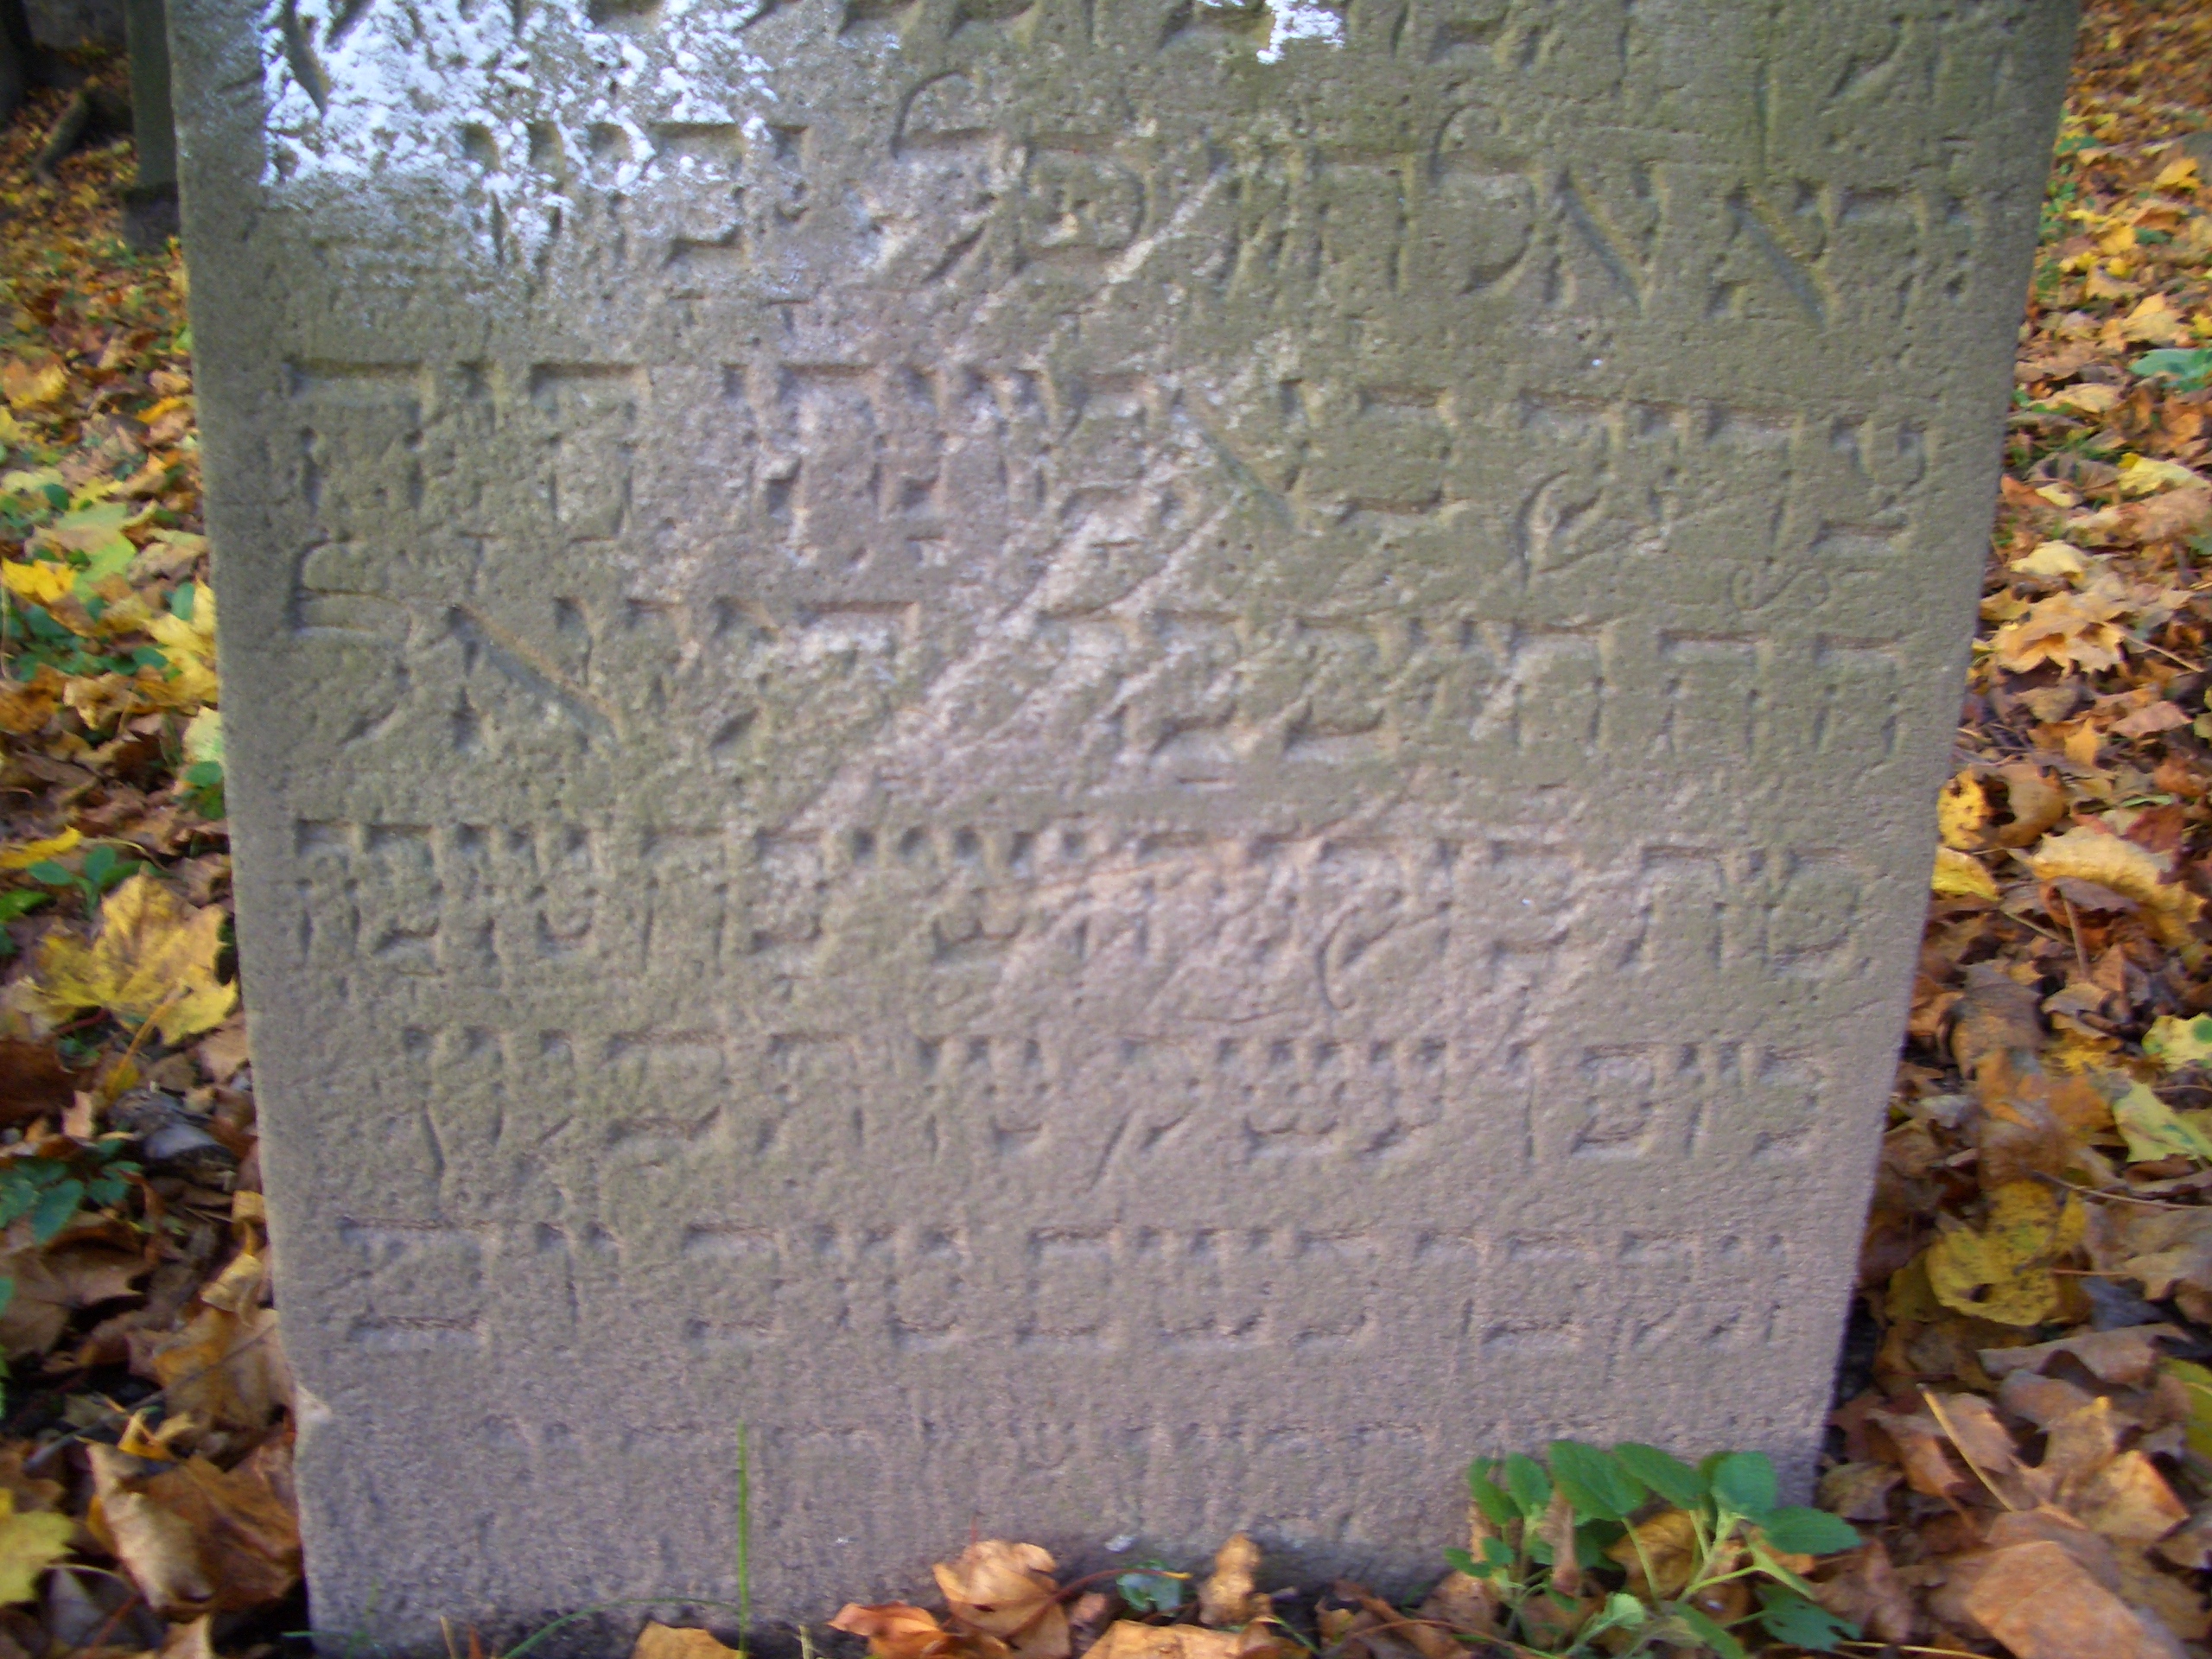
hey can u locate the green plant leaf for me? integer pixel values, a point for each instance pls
(2190, 370)
(1743, 1483)
(1595, 1481)
(1622, 1610)
(1497, 1509)
(1665, 1474)
(1799, 1531)
(55, 1208)
(1495, 1552)
(1530, 1486)
(1787, 1617)
(1151, 1589)
(1707, 1630)
(50, 873)
(1460, 1561)
(22, 901)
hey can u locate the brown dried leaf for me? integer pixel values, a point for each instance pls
(2043, 1603)
(1869, 1592)
(2127, 1357)
(659, 1641)
(2128, 1499)
(53, 1283)
(1228, 1596)
(1982, 1440)
(1006, 1590)
(33, 1083)
(1127, 1639)
(1859, 1491)
(1669, 1540)
(897, 1630)
(196, 1539)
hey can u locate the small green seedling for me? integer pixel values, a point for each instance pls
(1608, 1509)
(1150, 1587)
(100, 870)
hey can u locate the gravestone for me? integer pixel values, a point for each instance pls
(1133, 765)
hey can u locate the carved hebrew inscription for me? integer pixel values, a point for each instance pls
(938, 702)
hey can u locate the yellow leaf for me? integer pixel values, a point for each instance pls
(2179, 174)
(2003, 1273)
(2153, 1132)
(2155, 321)
(659, 1641)
(2175, 1043)
(23, 855)
(2140, 475)
(29, 388)
(2070, 629)
(37, 580)
(1962, 813)
(1960, 875)
(2053, 559)
(29, 1545)
(154, 959)
(2059, 496)
(203, 738)
(2090, 397)
(2088, 855)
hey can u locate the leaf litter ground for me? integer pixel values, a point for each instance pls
(2022, 1437)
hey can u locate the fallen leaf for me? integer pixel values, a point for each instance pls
(38, 582)
(2053, 559)
(2111, 862)
(2128, 1499)
(2127, 1358)
(897, 1630)
(2034, 802)
(53, 1283)
(2003, 1271)
(2151, 721)
(1229, 1596)
(2090, 398)
(195, 1538)
(28, 388)
(2175, 1043)
(1670, 1544)
(224, 1367)
(2041, 1602)
(659, 1641)
(1869, 1592)
(2154, 321)
(1006, 1590)
(1960, 875)
(1962, 814)
(2073, 630)
(1982, 1441)
(2153, 1132)
(1127, 1639)
(34, 1084)
(29, 1543)
(154, 959)
(2142, 475)
(1859, 1491)
(1923, 1450)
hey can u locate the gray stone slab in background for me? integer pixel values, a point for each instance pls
(1137, 765)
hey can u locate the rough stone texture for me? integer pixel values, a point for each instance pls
(60, 25)
(1136, 765)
